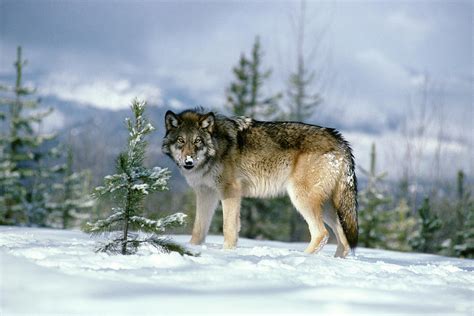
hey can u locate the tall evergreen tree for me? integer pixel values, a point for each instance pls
(237, 93)
(302, 102)
(25, 154)
(129, 186)
(245, 96)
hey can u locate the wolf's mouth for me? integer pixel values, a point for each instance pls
(188, 167)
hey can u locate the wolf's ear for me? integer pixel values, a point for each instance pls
(171, 120)
(207, 122)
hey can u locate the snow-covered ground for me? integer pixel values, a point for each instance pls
(49, 272)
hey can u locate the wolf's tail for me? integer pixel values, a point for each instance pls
(345, 202)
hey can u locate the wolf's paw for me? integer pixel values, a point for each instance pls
(229, 245)
(317, 244)
(341, 252)
(196, 241)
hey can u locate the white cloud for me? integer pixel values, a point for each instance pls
(201, 84)
(389, 70)
(176, 104)
(198, 80)
(411, 27)
(102, 93)
(379, 62)
(364, 112)
(418, 80)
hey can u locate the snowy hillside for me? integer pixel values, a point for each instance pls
(56, 272)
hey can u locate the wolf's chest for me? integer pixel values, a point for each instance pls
(198, 179)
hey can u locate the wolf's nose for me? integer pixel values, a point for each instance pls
(188, 162)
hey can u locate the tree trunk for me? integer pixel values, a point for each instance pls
(125, 224)
(125, 234)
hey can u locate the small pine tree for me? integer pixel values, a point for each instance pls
(72, 201)
(374, 203)
(464, 240)
(464, 246)
(400, 227)
(129, 186)
(25, 155)
(429, 225)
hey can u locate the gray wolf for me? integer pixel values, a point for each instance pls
(225, 159)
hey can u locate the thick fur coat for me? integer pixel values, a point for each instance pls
(225, 159)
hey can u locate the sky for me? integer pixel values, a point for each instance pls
(377, 63)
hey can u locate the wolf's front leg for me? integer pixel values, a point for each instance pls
(231, 212)
(206, 202)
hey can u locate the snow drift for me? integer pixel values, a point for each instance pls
(46, 271)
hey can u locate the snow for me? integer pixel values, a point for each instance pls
(45, 271)
(160, 225)
(143, 187)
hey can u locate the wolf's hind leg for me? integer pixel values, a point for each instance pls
(310, 208)
(206, 203)
(332, 220)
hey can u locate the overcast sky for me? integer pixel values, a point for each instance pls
(374, 58)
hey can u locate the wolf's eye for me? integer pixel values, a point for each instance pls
(180, 140)
(198, 140)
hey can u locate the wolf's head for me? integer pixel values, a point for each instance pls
(188, 140)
